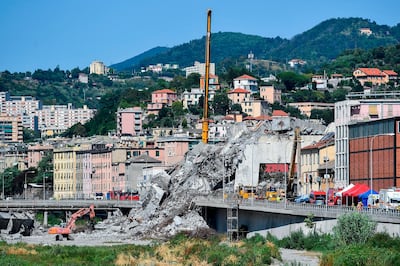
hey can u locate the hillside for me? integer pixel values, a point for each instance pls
(318, 45)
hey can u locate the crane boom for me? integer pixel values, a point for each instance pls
(204, 135)
(291, 189)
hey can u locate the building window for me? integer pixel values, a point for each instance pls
(157, 153)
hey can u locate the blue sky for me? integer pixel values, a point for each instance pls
(42, 34)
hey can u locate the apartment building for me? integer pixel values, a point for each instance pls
(239, 95)
(213, 83)
(159, 99)
(255, 108)
(270, 94)
(54, 119)
(246, 82)
(129, 121)
(11, 129)
(307, 107)
(199, 68)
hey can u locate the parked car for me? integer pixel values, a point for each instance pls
(302, 199)
(98, 196)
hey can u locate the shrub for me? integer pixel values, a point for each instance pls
(352, 228)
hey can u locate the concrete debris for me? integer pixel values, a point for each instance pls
(166, 203)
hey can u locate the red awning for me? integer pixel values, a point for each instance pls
(358, 189)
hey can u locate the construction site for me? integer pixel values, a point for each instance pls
(167, 207)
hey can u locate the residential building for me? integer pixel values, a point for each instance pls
(365, 31)
(175, 149)
(159, 99)
(270, 94)
(255, 107)
(129, 121)
(306, 107)
(239, 95)
(11, 129)
(296, 62)
(98, 67)
(317, 164)
(374, 76)
(357, 108)
(37, 152)
(199, 68)
(55, 119)
(83, 78)
(246, 82)
(191, 98)
(213, 83)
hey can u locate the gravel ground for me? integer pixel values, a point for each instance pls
(298, 258)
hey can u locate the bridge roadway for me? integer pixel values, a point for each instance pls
(297, 209)
(65, 205)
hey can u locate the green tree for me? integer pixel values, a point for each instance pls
(326, 115)
(292, 80)
(353, 228)
(236, 107)
(220, 103)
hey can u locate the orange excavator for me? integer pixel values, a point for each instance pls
(66, 231)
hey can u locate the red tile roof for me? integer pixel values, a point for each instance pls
(263, 117)
(228, 117)
(245, 77)
(164, 91)
(249, 117)
(390, 72)
(239, 90)
(279, 113)
(371, 71)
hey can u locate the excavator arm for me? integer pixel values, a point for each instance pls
(61, 232)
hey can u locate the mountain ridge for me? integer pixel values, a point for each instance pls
(318, 45)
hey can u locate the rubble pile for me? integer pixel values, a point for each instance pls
(167, 204)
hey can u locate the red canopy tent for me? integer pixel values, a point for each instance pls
(358, 189)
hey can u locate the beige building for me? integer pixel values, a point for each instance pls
(10, 129)
(98, 67)
(238, 96)
(270, 94)
(255, 107)
(306, 107)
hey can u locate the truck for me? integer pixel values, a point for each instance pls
(389, 198)
(65, 231)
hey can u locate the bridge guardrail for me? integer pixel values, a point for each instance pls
(377, 214)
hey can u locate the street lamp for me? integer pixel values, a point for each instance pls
(25, 184)
(44, 184)
(370, 157)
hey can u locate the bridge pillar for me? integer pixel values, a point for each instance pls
(45, 218)
(109, 214)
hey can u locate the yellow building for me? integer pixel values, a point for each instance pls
(65, 173)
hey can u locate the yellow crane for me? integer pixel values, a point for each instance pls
(204, 134)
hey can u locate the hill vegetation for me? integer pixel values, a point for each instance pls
(317, 46)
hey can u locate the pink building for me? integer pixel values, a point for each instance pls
(175, 149)
(129, 121)
(101, 171)
(36, 154)
(239, 95)
(160, 98)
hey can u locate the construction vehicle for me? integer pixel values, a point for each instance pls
(291, 186)
(65, 231)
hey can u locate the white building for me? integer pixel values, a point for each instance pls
(54, 119)
(199, 68)
(246, 82)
